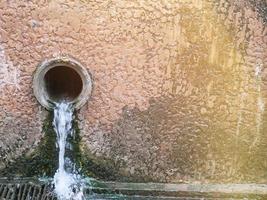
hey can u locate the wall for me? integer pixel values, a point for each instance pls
(179, 86)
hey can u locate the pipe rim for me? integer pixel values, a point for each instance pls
(39, 89)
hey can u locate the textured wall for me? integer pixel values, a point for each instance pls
(179, 86)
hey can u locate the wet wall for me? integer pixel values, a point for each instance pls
(179, 87)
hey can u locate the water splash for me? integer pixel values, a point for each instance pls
(67, 182)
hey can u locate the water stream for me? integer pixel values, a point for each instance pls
(67, 181)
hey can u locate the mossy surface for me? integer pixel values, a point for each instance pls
(86, 163)
(98, 168)
(42, 161)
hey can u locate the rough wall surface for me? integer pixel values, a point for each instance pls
(179, 86)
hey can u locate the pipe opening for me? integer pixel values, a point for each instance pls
(63, 83)
(62, 78)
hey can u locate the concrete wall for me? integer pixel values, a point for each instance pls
(179, 86)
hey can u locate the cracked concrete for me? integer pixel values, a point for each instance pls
(175, 96)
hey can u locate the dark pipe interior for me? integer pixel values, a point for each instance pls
(63, 82)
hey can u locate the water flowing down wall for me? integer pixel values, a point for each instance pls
(179, 87)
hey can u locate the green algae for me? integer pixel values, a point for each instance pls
(43, 160)
(87, 164)
(99, 168)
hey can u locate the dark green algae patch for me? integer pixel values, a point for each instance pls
(43, 161)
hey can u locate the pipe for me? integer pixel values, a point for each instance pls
(62, 78)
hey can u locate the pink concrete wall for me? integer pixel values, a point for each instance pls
(179, 86)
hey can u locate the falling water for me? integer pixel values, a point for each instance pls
(67, 181)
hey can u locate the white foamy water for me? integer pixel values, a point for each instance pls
(68, 183)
